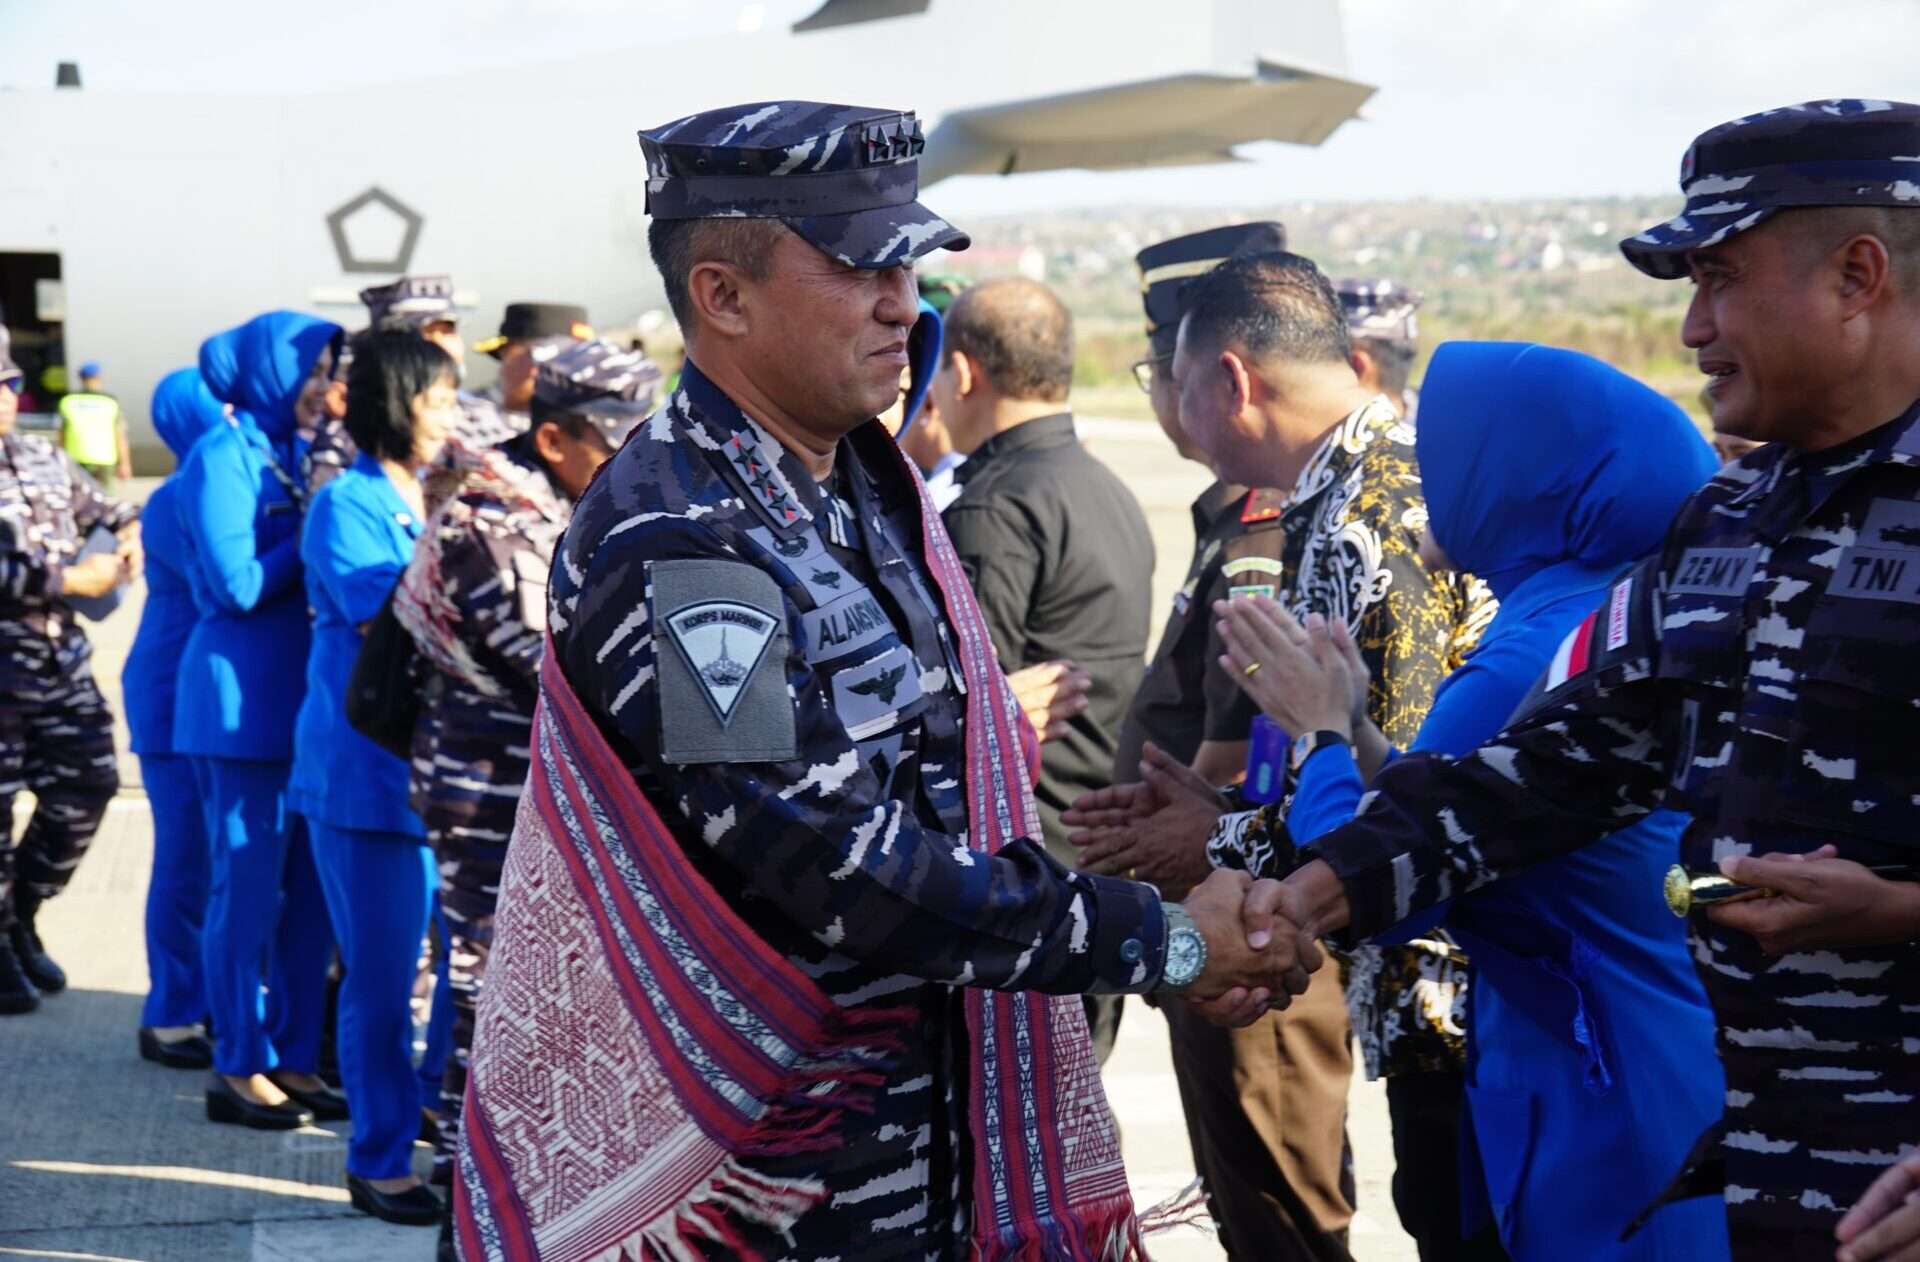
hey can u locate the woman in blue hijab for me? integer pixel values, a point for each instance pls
(375, 864)
(170, 1032)
(1591, 1067)
(240, 683)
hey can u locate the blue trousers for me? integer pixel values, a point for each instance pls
(176, 893)
(439, 1039)
(380, 889)
(266, 925)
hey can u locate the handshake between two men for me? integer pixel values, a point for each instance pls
(1260, 953)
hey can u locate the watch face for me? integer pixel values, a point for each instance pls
(1185, 956)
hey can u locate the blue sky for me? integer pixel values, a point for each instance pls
(1478, 98)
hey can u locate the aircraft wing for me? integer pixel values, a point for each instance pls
(849, 12)
(1180, 119)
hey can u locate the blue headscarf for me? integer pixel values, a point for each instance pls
(923, 355)
(261, 366)
(183, 409)
(1533, 457)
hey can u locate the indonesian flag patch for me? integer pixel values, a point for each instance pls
(1576, 652)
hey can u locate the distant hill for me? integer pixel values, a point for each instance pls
(1543, 271)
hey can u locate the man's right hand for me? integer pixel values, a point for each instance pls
(1264, 977)
(95, 576)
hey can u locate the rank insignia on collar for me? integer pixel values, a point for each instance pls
(1261, 505)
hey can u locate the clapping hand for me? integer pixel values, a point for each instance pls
(1051, 693)
(1154, 830)
(1305, 678)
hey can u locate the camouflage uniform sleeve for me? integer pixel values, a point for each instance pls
(816, 836)
(92, 506)
(26, 573)
(479, 573)
(1588, 761)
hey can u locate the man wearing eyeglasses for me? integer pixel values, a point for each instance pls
(1265, 1106)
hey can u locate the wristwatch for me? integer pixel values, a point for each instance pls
(1186, 955)
(1305, 746)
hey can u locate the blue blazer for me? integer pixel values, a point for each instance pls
(358, 539)
(1591, 1066)
(242, 673)
(149, 678)
(183, 410)
(243, 670)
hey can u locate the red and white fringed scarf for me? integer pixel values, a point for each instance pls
(638, 1044)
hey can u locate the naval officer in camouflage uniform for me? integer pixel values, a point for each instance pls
(1758, 673)
(56, 733)
(785, 234)
(1382, 321)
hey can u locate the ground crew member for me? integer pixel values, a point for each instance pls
(474, 599)
(1758, 673)
(764, 650)
(1386, 337)
(56, 733)
(1265, 1106)
(93, 430)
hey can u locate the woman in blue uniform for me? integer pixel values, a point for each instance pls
(1590, 1058)
(375, 864)
(170, 1031)
(240, 685)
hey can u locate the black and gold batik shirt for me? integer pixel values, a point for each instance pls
(1352, 526)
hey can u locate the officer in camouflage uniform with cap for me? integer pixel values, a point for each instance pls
(1266, 1105)
(811, 763)
(1758, 673)
(56, 733)
(474, 599)
(1386, 337)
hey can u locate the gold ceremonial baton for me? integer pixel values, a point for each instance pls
(1686, 890)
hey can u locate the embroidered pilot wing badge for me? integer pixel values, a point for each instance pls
(881, 686)
(723, 642)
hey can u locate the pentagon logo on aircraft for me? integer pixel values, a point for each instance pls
(375, 232)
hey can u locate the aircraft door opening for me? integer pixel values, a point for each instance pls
(33, 307)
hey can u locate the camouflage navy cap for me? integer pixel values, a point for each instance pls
(9, 371)
(1167, 268)
(1379, 308)
(410, 303)
(610, 386)
(1823, 153)
(844, 177)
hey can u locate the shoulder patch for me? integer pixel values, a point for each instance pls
(1263, 504)
(723, 687)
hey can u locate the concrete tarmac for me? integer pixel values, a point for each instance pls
(105, 1158)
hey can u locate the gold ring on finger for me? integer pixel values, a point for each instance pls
(1251, 669)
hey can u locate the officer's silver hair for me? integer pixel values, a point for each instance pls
(680, 245)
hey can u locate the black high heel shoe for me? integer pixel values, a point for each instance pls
(193, 1052)
(326, 1104)
(224, 1104)
(415, 1207)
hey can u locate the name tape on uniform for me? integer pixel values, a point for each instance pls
(1714, 571)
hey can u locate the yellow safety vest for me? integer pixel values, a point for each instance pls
(92, 425)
